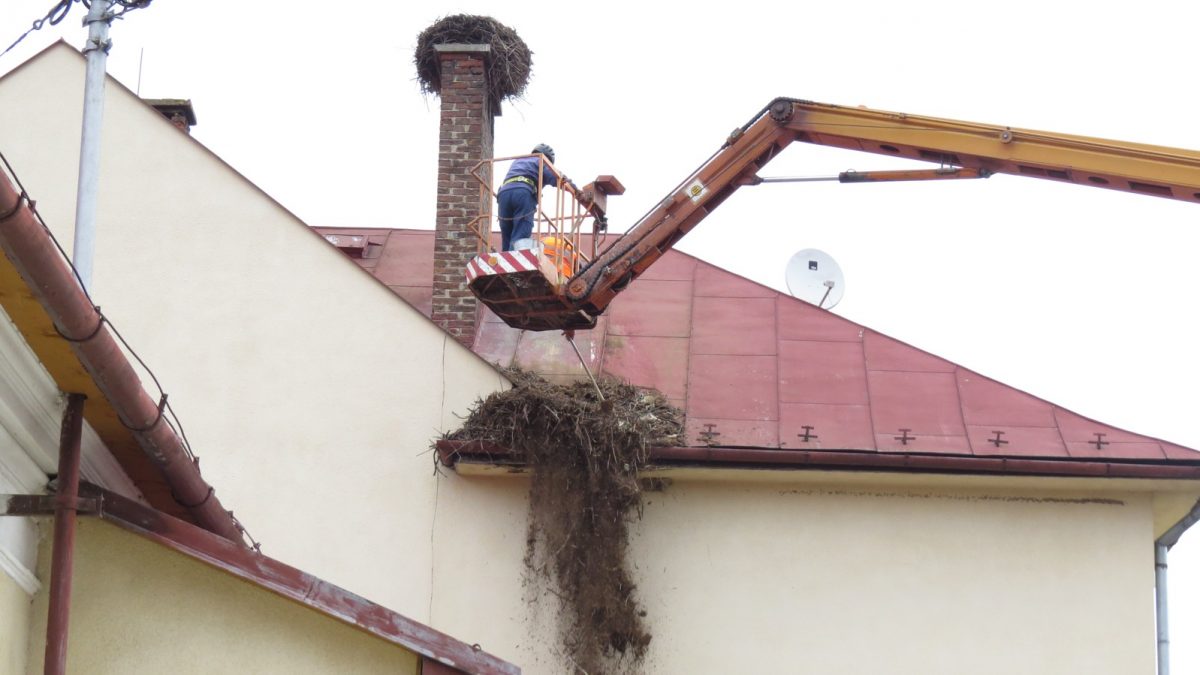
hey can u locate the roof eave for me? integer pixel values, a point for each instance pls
(451, 452)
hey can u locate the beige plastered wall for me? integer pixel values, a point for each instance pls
(138, 607)
(310, 391)
(15, 617)
(845, 574)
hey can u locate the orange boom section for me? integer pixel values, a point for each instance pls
(959, 149)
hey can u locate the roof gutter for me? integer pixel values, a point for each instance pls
(35, 256)
(452, 451)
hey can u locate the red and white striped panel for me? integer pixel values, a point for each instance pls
(502, 262)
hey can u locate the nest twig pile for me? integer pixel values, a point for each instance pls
(584, 454)
(508, 63)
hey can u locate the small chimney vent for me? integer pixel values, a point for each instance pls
(178, 111)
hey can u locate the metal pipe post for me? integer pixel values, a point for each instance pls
(96, 52)
(1161, 547)
(63, 558)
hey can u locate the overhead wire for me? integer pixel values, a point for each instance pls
(59, 11)
(55, 16)
(103, 319)
(32, 205)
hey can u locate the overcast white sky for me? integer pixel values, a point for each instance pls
(1084, 297)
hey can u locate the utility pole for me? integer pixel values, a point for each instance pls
(96, 53)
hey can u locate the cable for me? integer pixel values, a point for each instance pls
(177, 426)
(164, 404)
(128, 6)
(60, 9)
(21, 200)
(56, 14)
(198, 504)
(254, 543)
(103, 319)
(158, 417)
(95, 331)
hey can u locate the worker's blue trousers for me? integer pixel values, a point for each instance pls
(517, 206)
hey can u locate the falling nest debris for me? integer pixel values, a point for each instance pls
(584, 452)
(508, 62)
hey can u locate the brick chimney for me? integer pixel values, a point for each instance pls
(465, 139)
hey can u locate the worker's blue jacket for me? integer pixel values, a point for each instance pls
(524, 173)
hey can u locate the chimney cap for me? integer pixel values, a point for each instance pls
(170, 107)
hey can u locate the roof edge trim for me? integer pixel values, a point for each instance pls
(449, 452)
(292, 583)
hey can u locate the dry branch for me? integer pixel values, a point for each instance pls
(584, 454)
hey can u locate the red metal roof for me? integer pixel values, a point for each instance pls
(753, 367)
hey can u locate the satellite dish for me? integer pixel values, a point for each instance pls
(814, 276)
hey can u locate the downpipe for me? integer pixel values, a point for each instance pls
(1161, 547)
(62, 561)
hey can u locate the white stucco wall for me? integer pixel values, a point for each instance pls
(138, 607)
(850, 576)
(309, 390)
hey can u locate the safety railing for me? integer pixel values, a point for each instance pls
(561, 219)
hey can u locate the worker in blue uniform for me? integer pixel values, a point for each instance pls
(518, 194)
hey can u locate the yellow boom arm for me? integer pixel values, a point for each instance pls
(983, 149)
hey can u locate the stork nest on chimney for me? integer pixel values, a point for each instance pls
(508, 63)
(583, 453)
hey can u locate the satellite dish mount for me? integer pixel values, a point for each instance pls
(815, 277)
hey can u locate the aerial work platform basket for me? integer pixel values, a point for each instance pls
(526, 286)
